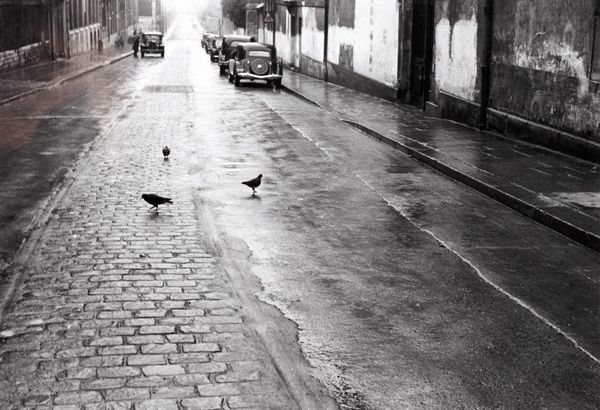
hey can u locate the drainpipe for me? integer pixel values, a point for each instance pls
(486, 61)
(429, 38)
(50, 25)
(326, 41)
(594, 33)
(274, 22)
(67, 12)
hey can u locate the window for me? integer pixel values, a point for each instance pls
(256, 53)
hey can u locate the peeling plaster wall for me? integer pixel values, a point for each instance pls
(456, 57)
(283, 48)
(455, 49)
(541, 63)
(363, 38)
(313, 41)
(313, 36)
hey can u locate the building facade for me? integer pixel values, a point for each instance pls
(527, 68)
(44, 30)
(84, 26)
(116, 19)
(32, 33)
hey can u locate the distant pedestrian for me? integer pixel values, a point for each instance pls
(136, 42)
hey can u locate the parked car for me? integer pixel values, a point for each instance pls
(229, 48)
(256, 61)
(214, 48)
(152, 43)
(205, 37)
(209, 40)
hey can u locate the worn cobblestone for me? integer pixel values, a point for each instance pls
(157, 405)
(120, 308)
(204, 403)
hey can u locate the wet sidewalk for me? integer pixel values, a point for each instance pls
(22, 82)
(556, 190)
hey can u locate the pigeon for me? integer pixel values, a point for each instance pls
(253, 183)
(156, 200)
(166, 152)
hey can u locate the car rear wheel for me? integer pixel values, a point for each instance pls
(162, 55)
(230, 78)
(221, 69)
(278, 83)
(236, 80)
(143, 54)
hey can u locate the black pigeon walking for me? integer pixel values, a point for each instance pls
(253, 183)
(166, 152)
(156, 200)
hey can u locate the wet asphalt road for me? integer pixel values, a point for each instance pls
(408, 289)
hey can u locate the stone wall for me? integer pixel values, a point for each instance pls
(24, 56)
(544, 75)
(542, 64)
(23, 36)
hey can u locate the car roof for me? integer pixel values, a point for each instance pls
(153, 33)
(256, 46)
(237, 38)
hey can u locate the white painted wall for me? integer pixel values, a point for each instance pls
(283, 47)
(456, 57)
(374, 39)
(312, 38)
(80, 39)
(338, 36)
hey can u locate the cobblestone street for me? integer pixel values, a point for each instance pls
(120, 308)
(355, 278)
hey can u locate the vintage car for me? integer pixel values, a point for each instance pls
(229, 48)
(256, 61)
(208, 42)
(214, 46)
(205, 37)
(152, 43)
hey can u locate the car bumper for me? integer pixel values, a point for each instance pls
(152, 50)
(250, 76)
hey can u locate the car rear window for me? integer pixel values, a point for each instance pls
(258, 53)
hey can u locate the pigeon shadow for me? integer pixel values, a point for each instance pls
(254, 197)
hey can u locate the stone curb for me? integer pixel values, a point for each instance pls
(65, 79)
(575, 233)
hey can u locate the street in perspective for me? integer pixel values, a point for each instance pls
(241, 205)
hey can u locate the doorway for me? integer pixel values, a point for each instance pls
(421, 52)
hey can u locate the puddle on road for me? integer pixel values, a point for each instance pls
(580, 199)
